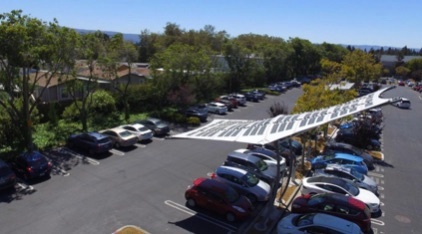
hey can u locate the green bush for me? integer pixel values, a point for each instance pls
(179, 118)
(193, 121)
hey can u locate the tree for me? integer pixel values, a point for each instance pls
(359, 66)
(28, 46)
(402, 71)
(306, 57)
(92, 46)
(333, 52)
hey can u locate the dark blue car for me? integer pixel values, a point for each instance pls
(32, 165)
(92, 142)
(7, 176)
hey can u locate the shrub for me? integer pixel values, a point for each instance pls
(193, 121)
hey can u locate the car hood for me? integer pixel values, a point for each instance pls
(367, 197)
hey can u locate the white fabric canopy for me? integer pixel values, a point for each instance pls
(283, 126)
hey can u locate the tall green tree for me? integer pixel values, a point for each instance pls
(28, 46)
(306, 57)
(359, 66)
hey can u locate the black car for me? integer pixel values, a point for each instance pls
(251, 96)
(361, 141)
(201, 114)
(260, 94)
(31, 165)
(158, 126)
(92, 142)
(334, 147)
(7, 176)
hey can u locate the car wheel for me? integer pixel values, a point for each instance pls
(191, 202)
(117, 145)
(251, 198)
(230, 217)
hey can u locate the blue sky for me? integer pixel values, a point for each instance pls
(353, 22)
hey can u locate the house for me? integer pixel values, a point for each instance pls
(390, 61)
(106, 79)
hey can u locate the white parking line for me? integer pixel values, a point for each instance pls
(63, 172)
(186, 210)
(375, 174)
(82, 157)
(140, 145)
(377, 222)
(380, 188)
(116, 152)
(25, 187)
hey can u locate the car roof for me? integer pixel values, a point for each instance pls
(340, 198)
(96, 135)
(348, 156)
(244, 157)
(333, 221)
(326, 179)
(211, 184)
(238, 172)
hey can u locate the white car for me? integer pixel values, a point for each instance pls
(327, 184)
(403, 103)
(217, 107)
(120, 137)
(143, 133)
(267, 158)
(241, 99)
(316, 223)
(244, 182)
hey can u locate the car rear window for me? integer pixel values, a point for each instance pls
(33, 157)
(103, 140)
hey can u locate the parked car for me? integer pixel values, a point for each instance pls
(201, 114)
(338, 205)
(233, 100)
(227, 103)
(261, 94)
(350, 174)
(143, 133)
(400, 83)
(7, 176)
(251, 96)
(158, 126)
(241, 99)
(244, 182)
(267, 155)
(120, 137)
(92, 142)
(332, 147)
(404, 103)
(31, 165)
(316, 223)
(328, 184)
(269, 149)
(263, 169)
(296, 146)
(218, 197)
(346, 160)
(351, 137)
(217, 108)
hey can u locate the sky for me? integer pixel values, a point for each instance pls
(351, 22)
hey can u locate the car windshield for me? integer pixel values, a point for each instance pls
(32, 157)
(316, 199)
(357, 174)
(304, 220)
(261, 165)
(143, 129)
(125, 134)
(250, 179)
(352, 189)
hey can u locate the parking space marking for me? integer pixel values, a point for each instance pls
(116, 152)
(61, 171)
(159, 138)
(375, 174)
(140, 145)
(207, 218)
(377, 222)
(380, 188)
(382, 196)
(81, 157)
(25, 187)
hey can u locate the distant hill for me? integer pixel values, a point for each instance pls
(127, 36)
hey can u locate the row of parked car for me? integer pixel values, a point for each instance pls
(35, 165)
(338, 196)
(246, 177)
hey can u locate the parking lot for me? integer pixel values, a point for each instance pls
(144, 186)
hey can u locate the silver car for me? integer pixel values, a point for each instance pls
(349, 174)
(244, 182)
(143, 133)
(120, 137)
(266, 157)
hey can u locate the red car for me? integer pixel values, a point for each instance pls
(338, 205)
(218, 197)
